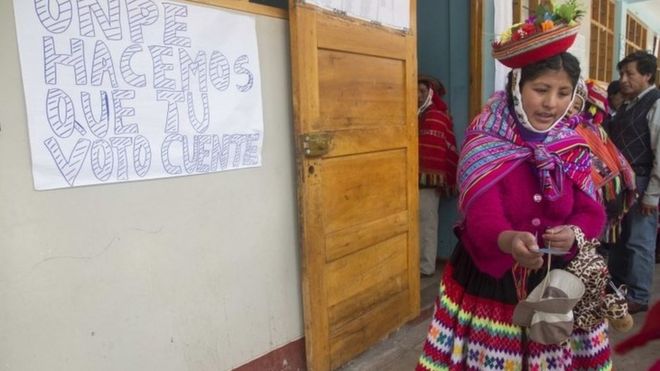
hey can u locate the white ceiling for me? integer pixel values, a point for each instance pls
(648, 11)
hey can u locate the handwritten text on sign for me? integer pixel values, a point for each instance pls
(121, 90)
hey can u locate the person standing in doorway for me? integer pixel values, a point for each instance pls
(437, 165)
(635, 130)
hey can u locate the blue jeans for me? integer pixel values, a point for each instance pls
(632, 260)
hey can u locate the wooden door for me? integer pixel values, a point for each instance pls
(355, 85)
(476, 58)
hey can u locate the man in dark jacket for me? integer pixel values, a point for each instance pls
(635, 129)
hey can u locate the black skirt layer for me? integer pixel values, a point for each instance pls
(478, 283)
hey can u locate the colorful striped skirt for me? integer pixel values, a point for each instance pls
(472, 330)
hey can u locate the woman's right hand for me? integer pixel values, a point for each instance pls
(523, 247)
(524, 250)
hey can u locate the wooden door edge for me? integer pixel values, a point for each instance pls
(302, 32)
(476, 56)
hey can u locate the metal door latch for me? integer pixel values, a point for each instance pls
(315, 144)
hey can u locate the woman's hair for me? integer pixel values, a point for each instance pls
(563, 61)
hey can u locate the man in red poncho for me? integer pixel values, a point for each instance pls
(437, 165)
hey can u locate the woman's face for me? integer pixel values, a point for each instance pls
(422, 93)
(546, 98)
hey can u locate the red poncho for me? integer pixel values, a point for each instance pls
(437, 148)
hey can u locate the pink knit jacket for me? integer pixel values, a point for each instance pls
(515, 203)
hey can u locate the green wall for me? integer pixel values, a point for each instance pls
(443, 51)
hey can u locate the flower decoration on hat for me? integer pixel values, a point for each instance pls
(550, 31)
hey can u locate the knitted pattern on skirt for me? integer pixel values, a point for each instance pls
(472, 330)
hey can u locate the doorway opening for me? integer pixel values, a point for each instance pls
(443, 38)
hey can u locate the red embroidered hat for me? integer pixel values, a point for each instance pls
(532, 49)
(550, 32)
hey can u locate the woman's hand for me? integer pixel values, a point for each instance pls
(560, 237)
(523, 248)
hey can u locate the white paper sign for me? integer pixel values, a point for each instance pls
(390, 13)
(124, 90)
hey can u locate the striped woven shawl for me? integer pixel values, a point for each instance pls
(493, 147)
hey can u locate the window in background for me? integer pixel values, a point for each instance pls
(522, 9)
(635, 35)
(601, 45)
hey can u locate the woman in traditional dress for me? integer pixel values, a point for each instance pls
(525, 183)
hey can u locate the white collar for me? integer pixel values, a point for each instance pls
(518, 106)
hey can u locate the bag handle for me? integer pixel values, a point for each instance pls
(547, 274)
(521, 281)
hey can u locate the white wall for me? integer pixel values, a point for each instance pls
(580, 48)
(190, 273)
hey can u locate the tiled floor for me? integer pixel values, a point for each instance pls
(400, 351)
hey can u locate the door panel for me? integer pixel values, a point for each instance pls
(368, 140)
(370, 41)
(363, 302)
(344, 76)
(354, 238)
(365, 269)
(362, 188)
(356, 84)
(367, 329)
